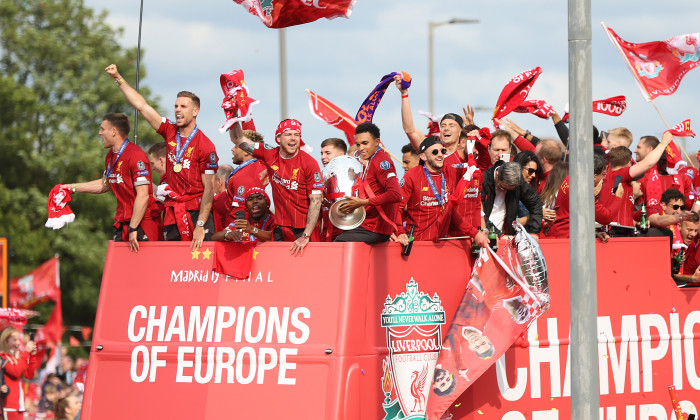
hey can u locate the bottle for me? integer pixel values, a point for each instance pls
(644, 220)
(407, 248)
(493, 238)
(677, 262)
(476, 249)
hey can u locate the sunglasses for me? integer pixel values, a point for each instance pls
(437, 151)
(531, 170)
(678, 206)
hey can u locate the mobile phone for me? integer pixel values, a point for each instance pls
(618, 181)
(240, 214)
(505, 157)
(31, 336)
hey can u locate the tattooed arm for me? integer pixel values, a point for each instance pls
(311, 219)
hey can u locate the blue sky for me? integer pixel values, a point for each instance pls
(187, 45)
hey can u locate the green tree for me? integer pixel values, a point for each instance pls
(54, 92)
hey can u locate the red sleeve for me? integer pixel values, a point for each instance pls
(387, 179)
(208, 159)
(15, 371)
(606, 215)
(313, 175)
(483, 161)
(522, 144)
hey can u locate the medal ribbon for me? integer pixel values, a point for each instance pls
(439, 196)
(110, 167)
(242, 165)
(180, 150)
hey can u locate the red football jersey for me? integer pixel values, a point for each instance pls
(293, 181)
(466, 212)
(421, 206)
(624, 216)
(380, 175)
(267, 224)
(199, 157)
(131, 170)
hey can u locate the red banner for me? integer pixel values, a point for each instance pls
(515, 92)
(659, 66)
(535, 107)
(237, 103)
(326, 111)
(284, 13)
(614, 106)
(683, 129)
(338, 333)
(39, 285)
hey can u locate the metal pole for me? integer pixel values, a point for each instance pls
(584, 330)
(283, 74)
(138, 69)
(431, 26)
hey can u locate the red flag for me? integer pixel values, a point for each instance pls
(673, 156)
(234, 258)
(39, 285)
(13, 317)
(54, 326)
(536, 107)
(494, 312)
(515, 92)
(331, 114)
(284, 13)
(85, 331)
(659, 66)
(236, 101)
(682, 129)
(614, 106)
(73, 342)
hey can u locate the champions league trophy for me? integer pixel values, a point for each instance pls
(342, 178)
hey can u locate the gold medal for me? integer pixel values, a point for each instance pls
(177, 167)
(104, 181)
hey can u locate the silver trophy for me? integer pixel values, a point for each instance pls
(343, 178)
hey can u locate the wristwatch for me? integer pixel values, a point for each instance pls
(133, 229)
(305, 235)
(255, 230)
(200, 223)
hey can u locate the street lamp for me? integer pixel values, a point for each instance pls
(431, 26)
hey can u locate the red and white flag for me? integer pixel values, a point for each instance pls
(284, 13)
(237, 103)
(614, 106)
(515, 92)
(535, 107)
(37, 286)
(326, 111)
(683, 129)
(659, 66)
(496, 309)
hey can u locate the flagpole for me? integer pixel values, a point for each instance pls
(642, 88)
(308, 92)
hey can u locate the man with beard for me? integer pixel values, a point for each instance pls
(425, 192)
(190, 166)
(450, 125)
(249, 172)
(297, 184)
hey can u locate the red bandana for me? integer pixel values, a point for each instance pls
(285, 125)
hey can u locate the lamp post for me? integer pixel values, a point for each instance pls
(431, 27)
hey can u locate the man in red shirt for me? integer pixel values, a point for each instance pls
(128, 175)
(425, 190)
(190, 166)
(220, 208)
(331, 148)
(258, 223)
(622, 170)
(379, 193)
(297, 184)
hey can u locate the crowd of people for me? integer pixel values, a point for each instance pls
(461, 180)
(33, 388)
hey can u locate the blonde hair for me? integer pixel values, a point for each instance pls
(4, 336)
(623, 132)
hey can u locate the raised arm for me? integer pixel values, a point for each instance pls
(135, 98)
(414, 135)
(652, 157)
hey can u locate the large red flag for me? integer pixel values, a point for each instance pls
(515, 92)
(331, 114)
(496, 309)
(659, 66)
(53, 329)
(535, 107)
(39, 285)
(283, 13)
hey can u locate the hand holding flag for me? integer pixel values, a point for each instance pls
(59, 212)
